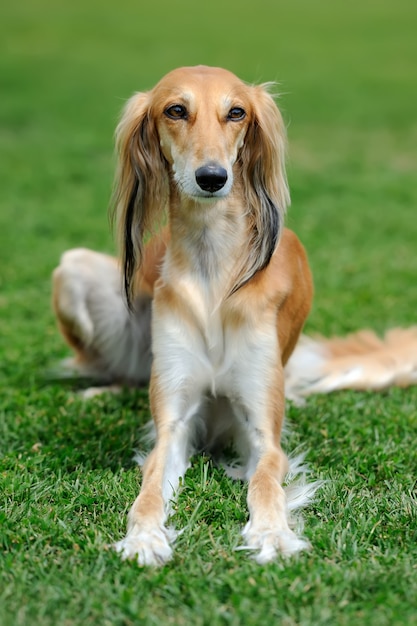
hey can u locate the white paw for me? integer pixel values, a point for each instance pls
(272, 542)
(93, 392)
(148, 547)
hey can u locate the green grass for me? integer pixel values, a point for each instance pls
(348, 74)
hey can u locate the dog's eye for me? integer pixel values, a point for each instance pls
(176, 112)
(236, 114)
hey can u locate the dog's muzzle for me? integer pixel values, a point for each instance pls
(211, 177)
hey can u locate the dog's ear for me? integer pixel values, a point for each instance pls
(262, 160)
(141, 183)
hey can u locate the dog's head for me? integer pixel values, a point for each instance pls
(190, 137)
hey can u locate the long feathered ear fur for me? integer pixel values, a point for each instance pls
(141, 184)
(262, 162)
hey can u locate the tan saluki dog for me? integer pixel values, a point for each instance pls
(231, 290)
(229, 303)
(231, 297)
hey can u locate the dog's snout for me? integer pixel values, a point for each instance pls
(211, 177)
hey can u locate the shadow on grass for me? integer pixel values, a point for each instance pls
(51, 419)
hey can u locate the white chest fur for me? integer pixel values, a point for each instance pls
(199, 346)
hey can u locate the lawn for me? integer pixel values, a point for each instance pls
(347, 73)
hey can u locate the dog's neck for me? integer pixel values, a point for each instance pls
(209, 239)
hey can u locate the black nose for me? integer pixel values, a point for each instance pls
(211, 177)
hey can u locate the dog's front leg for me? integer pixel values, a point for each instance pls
(267, 530)
(148, 539)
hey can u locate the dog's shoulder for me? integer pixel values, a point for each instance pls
(288, 270)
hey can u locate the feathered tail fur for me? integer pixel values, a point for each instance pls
(361, 361)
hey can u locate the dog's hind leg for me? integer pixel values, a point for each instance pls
(111, 344)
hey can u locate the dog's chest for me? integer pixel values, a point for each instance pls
(199, 332)
(213, 331)
(203, 342)
(209, 314)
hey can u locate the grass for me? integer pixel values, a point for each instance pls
(347, 73)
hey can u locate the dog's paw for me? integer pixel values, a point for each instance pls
(93, 392)
(148, 547)
(270, 543)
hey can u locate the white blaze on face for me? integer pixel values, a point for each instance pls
(205, 137)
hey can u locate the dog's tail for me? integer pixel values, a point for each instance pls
(360, 361)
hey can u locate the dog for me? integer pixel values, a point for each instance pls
(211, 308)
